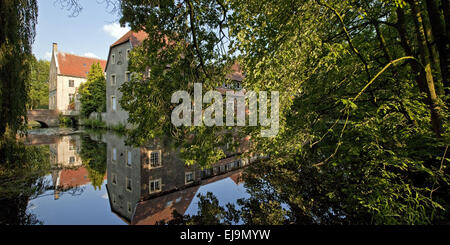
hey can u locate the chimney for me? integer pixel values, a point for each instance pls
(55, 48)
(56, 194)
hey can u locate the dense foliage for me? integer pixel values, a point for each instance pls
(17, 30)
(93, 91)
(364, 109)
(38, 92)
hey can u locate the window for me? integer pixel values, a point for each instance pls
(72, 160)
(155, 159)
(71, 83)
(129, 158)
(113, 80)
(127, 76)
(114, 179)
(206, 173)
(129, 207)
(128, 181)
(155, 186)
(71, 98)
(128, 54)
(189, 177)
(114, 154)
(113, 103)
(113, 59)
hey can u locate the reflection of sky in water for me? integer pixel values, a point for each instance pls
(88, 206)
(225, 190)
(91, 207)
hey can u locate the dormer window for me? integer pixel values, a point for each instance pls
(189, 177)
(155, 186)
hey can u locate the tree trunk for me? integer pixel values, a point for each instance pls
(416, 69)
(440, 36)
(426, 62)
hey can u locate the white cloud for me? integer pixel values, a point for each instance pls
(91, 55)
(115, 30)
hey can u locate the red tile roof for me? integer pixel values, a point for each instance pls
(76, 66)
(161, 208)
(235, 73)
(136, 38)
(70, 178)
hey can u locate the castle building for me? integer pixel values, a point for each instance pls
(67, 72)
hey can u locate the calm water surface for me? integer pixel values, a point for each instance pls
(98, 179)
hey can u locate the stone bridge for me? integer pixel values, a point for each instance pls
(47, 118)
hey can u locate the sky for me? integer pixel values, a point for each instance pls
(88, 34)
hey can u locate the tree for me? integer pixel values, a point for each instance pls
(17, 31)
(38, 93)
(93, 91)
(358, 122)
(364, 122)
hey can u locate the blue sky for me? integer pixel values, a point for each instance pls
(88, 34)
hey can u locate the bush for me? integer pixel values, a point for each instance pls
(94, 123)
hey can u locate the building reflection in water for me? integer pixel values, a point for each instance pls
(146, 184)
(68, 171)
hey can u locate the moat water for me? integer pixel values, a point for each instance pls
(90, 178)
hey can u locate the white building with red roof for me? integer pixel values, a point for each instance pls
(67, 72)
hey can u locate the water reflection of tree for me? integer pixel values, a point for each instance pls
(22, 171)
(93, 155)
(267, 204)
(286, 195)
